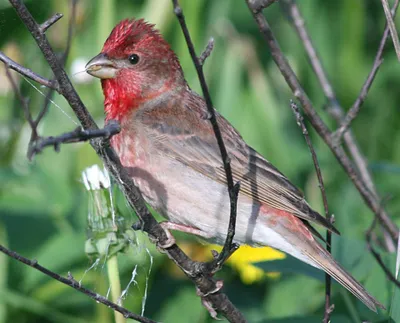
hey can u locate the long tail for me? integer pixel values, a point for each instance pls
(324, 261)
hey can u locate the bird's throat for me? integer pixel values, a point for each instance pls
(118, 101)
(121, 99)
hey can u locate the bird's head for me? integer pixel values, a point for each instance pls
(135, 65)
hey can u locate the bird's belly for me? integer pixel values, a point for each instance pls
(187, 197)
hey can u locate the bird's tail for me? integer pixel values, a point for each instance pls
(324, 261)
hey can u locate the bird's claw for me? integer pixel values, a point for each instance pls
(218, 285)
(167, 243)
(210, 309)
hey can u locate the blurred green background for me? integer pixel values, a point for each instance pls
(44, 205)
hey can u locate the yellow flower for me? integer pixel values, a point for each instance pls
(242, 260)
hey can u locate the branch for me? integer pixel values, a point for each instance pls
(300, 122)
(392, 27)
(233, 189)
(335, 110)
(28, 73)
(78, 135)
(378, 257)
(207, 52)
(205, 284)
(24, 101)
(355, 109)
(75, 285)
(50, 92)
(317, 122)
(50, 22)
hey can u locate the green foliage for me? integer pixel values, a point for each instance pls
(44, 206)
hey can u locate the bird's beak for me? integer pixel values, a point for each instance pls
(102, 67)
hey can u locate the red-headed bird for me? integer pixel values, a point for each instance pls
(168, 145)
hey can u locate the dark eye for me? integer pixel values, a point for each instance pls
(133, 59)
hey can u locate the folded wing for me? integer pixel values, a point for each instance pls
(180, 129)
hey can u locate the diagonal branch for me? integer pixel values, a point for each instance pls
(75, 285)
(50, 22)
(64, 57)
(355, 109)
(335, 110)
(233, 189)
(317, 122)
(377, 256)
(28, 73)
(392, 27)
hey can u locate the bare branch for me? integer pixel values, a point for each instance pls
(317, 122)
(377, 256)
(328, 280)
(71, 282)
(233, 189)
(23, 100)
(50, 22)
(28, 73)
(335, 110)
(207, 51)
(78, 135)
(392, 27)
(355, 109)
(50, 92)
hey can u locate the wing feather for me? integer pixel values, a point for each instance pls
(180, 131)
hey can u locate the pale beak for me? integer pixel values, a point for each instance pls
(102, 67)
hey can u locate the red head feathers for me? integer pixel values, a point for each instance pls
(136, 64)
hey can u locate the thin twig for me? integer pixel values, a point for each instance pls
(50, 92)
(23, 100)
(77, 135)
(392, 27)
(355, 109)
(300, 122)
(75, 285)
(335, 110)
(233, 189)
(28, 73)
(377, 256)
(317, 122)
(204, 283)
(204, 55)
(50, 22)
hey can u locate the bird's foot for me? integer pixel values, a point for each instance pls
(170, 238)
(207, 304)
(218, 285)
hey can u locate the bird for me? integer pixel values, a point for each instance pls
(168, 147)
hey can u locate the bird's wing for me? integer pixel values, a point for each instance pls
(181, 130)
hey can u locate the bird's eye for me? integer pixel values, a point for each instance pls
(133, 59)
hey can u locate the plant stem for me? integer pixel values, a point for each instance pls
(113, 277)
